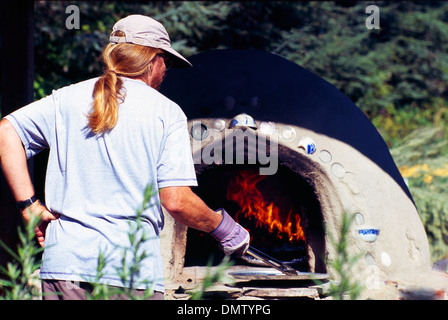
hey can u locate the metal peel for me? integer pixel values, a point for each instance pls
(288, 270)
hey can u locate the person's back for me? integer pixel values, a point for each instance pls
(96, 181)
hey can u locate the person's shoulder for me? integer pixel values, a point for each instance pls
(138, 86)
(140, 90)
(82, 85)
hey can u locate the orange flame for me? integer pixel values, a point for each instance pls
(243, 191)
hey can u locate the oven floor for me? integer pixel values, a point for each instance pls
(248, 283)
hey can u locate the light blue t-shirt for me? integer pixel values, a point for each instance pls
(97, 182)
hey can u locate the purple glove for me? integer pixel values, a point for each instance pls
(232, 237)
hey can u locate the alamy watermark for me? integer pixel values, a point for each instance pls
(238, 146)
(73, 21)
(74, 17)
(373, 21)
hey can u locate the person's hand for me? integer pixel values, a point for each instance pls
(45, 216)
(231, 236)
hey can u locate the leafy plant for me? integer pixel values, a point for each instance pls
(15, 283)
(343, 287)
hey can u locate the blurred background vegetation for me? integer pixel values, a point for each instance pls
(397, 75)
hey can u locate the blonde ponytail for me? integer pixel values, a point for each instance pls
(122, 59)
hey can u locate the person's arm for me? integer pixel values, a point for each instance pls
(186, 207)
(14, 165)
(13, 162)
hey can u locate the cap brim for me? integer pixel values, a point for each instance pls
(178, 60)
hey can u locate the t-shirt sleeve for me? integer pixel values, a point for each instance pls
(175, 166)
(34, 124)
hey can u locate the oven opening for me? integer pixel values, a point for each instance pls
(280, 211)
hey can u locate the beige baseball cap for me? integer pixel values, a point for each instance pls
(146, 31)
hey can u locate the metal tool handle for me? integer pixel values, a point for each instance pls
(271, 261)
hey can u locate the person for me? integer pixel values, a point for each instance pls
(109, 138)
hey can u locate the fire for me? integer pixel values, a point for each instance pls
(265, 214)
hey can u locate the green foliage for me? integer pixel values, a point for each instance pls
(16, 277)
(395, 124)
(425, 145)
(404, 63)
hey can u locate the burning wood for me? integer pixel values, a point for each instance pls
(261, 211)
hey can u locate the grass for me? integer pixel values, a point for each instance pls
(418, 142)
(422, 158)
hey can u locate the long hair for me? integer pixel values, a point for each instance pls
(121, 59)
